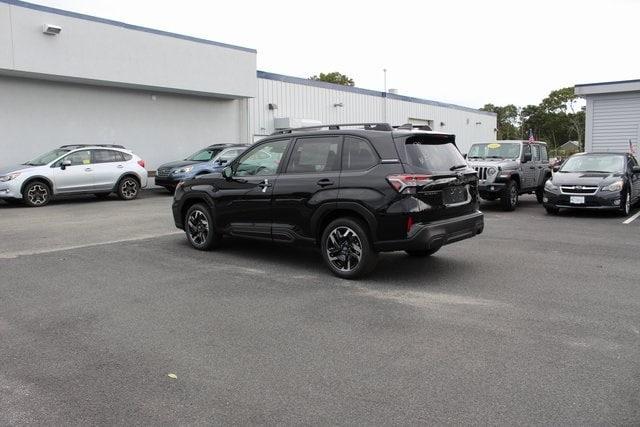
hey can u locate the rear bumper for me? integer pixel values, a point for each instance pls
(436, 234)
(598, 201)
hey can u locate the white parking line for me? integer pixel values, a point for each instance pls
(12, 255)
(632, 218)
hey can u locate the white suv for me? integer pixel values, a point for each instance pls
(74, 169)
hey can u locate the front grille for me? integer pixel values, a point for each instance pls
(163, 172)
(482, 171)
(579, 189)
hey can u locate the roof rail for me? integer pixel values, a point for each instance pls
(91, 145)
(411, 126)
(366, 126)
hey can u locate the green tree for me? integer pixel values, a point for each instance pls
(334, 77)
(507, 119)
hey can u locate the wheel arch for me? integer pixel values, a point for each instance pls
(127, 175)
(193, 199)
(325, 215)
(37, 178)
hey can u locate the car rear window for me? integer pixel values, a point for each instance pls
(432, 153)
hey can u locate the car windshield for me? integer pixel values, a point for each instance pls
(495, 150)
(204, 155)
(594, 163)
(433, 155)
(47, 158)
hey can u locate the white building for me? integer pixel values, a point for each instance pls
(612, 116)
(70, 78)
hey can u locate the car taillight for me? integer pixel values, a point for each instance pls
(141, 163)
(408, 183)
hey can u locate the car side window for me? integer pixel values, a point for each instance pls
(631, 163)
(357, 154)
(106, 156)
(535, 153)
(526, 149)
(261, 160)
(313, 155)
(229, 155)
(82, 157)
(543, 154)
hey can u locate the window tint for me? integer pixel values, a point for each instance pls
(433, 154)
(127, 157)
(78, 158)
(535, 153)
(262, 160)
(106, 156)
(526, 149)
(229, 155)
(315, 155)
(357, 154)
(543, 154)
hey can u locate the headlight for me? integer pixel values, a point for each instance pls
(549, 185)
(492, 171)
(184, 170)
(9, 177)
(616, 186)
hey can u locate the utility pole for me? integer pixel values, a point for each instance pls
(384, 70)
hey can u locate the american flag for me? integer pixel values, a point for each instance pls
(531, 139)
(631, 148)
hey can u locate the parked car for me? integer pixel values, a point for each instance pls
(208, 160)
(74, 169)
(507, 169)
(352, 190)
(594, 181)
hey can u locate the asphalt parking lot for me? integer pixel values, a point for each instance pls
(536, 321)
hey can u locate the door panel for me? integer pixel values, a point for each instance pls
(108, 165)
(529, 173)
(243, 204)
(78, 177)
(311, 180)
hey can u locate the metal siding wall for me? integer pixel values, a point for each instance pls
(615, 120)
(310, 102)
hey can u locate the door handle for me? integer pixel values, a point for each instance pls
(88, 169)
(324, 182)
(264, 185)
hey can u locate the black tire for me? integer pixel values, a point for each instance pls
(171, 189)
(340, 242)
(540, 194)
(422, 253)
(625, 204)
(102, 196)
(199, 228)
(128, 188)
(36, 194)
(552, 210)
(510, 199)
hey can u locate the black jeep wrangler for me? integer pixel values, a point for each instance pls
(352, 190)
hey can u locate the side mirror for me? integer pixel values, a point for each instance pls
(227, 172)
(556, 168)
(222, 161)
(464, 155)
(635, 169)
(64, 164)
(527, 158)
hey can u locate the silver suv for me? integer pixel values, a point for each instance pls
(74, 169)
(509, 168)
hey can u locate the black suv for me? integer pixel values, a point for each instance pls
(352, 190)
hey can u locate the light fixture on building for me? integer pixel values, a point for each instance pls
(442, 124)
(273, 106)
(338, 104)
(52, 30)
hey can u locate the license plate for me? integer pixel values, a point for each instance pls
(454, 195)
(577, 200)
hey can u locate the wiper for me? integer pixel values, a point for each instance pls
(494, 157)
(595, 172)
(452, 168)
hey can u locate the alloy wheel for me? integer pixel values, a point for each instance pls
(198, 227)
(627, 204)
(344, 248)
(129, 188)
(514, 195)
(38, 195)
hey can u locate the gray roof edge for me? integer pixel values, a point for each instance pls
(325, 85)
(120, 24)
(608, 83)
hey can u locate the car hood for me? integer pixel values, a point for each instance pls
(502, 163)
(15, 168)
(179, 164)
(584, 178)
